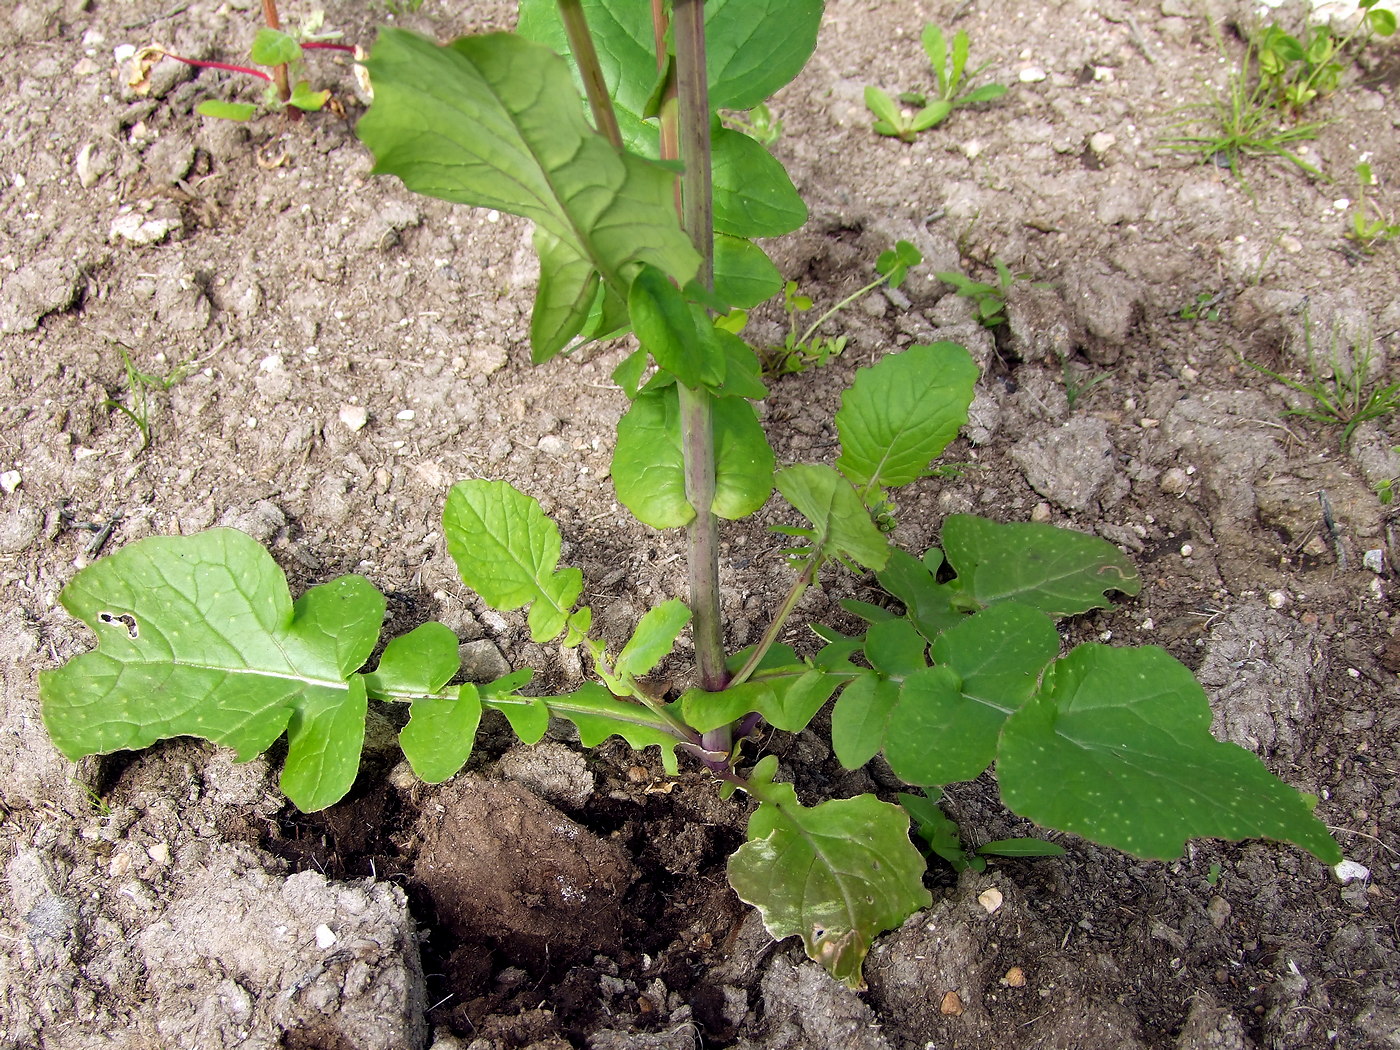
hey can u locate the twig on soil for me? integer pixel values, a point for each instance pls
(1350, 831)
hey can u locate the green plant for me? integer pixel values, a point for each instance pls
(1079, 384)
(943, 839)
(950, 74)
(1337, 395)
(1205, 307)
(1369, 233)
(281, 55)
(811, 350)
(989, 299)
(758, 124)
(138, 386)
(200, 636)
(1295, 72)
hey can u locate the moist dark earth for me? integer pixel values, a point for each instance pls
(341, 351)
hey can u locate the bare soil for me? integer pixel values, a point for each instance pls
(552, 898)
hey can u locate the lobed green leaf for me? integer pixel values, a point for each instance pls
(507, 550)
(1116, 746)
(198, 636)
(841, 521)
(836, 874)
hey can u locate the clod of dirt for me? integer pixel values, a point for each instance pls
(1264, 673)
(1074, 466)
(501, 863)
(34, 291)
(1038, 323)
(556, 773)
(804, 1009)
(1228, 436)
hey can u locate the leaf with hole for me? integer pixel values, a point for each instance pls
(198, 636)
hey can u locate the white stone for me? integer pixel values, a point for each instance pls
(354, 416)
(324, 936)
(1031, 75)
(9, 481)
(1350, 871)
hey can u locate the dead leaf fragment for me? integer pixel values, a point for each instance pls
(142, 62)
(990, 899)
(951, 1006)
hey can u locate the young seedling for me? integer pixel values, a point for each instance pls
(1205, 307)
(1296, 72)
(1337, 396)
(1366, 231)
(811, 350)
(278, 60)
(138, 386)
(989, 299)
(1078, 384)
(960, 671)
(928, 111)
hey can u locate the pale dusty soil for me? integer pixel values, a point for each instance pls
(551, 898)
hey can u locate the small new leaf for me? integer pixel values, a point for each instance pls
(507, 550)
(842, 524)
(653, 639)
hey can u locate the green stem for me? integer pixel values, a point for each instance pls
(805, 579)
(586, 58)
(697, 406)
(812, 328)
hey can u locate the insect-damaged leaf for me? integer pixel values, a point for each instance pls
(507, 550)
(198, 636)
(494, 121)
(1116, 746)
(836, 874)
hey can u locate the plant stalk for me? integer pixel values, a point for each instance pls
(697, 406)
(279, 73)
(586, 58)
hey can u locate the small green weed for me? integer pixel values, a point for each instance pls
(1341, 397)
(1367, 232)
(758, 123)
(1205, 307)
(810, 350)
(989, 299)
(950, 73)
(139, 384)
(1079, 384)
(942, 838)
(1279, 76)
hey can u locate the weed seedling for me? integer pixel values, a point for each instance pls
(758, 124)
(1369, 228)
(926, 111)
(1205, 307)
(1337, 396)
(989, 299)
(811, 350)
(278, 58)
(138, 386)
(1079, 384)
(963, 670)
(1297, 70)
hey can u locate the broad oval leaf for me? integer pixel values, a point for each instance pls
(1116, 747)
(221, 110)
(842, 523)
(836, 874)
(1058, 571)
(753, 195)
(928, 604)
(494, 121)
(901, 413)
(859, 716)
(506, 550)
(440, 733)
(648, 467)
(677, 334)
(744, 275)
(198, 636)
(895, 647)
(272, 47)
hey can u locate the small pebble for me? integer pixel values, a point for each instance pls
(1174, 482)
(1187, 550)
(1278, 599)
(354, 416)
(1015, 978)
(1372, 559)
(325, 937)
(405, 415)
(9, 481)
(1031, 75)
(160, 853)
(951, 1006)
(1040, 512)
(1350, 871)
(991, 899)
(1219, 910)
(1100, 142)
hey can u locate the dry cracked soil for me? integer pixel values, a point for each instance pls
(341, 351)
